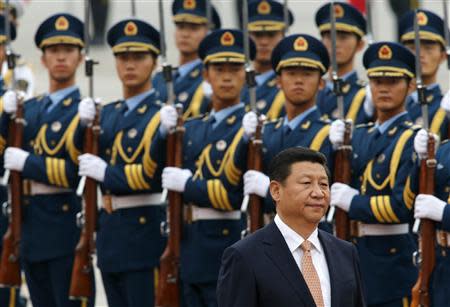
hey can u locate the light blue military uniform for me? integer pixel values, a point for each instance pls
(212, 215)
(50, 205)
(307, 129)
(189, 88)
(380, 171)
(350, 20)
(129, 241)
(431, 29)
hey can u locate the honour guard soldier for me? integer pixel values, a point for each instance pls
(266, 26)
(213, 221)
(436, 208)
(432, 53)
(129, 242)
(23, 74)
(376, 202)
(350, 30)
(299, 61)
(191, 26)
(48, 164)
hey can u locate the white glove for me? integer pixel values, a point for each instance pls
(341, 195)
(337, 132)
(249, 123)
(92, 166)
(445, 102)
(421, 143)
(256, 183)
(86, 110)
(10, 102)
(368, 102)
(169, 118)
(429, 207)
(174, 178)
(15, 158)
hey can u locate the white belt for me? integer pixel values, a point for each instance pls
(132, 201)
(382, 230)
(443, 238)
(37, 188)
(199, 213)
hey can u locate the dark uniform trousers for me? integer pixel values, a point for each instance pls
(129, 241)
(354, 95)
(49, 230)
(381, 168)
(188, 90)
(204, 151)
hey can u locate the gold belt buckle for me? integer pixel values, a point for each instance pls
(107, 203)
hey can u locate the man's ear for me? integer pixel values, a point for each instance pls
(321, 83)
(411, 86)
(275, 190)
(360, 45)
(278, 79)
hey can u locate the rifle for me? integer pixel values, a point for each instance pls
(10, 266)
(254, 158)
(168, 291)
(370, 32)
(342, 170)
(133, 8)
(82, 279)
(286, 17)
(447, 50)
(425, 256)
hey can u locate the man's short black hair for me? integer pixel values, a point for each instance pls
(280, 166)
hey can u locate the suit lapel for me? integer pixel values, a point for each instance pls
(277, 250)
(333, 267)
(56, 112)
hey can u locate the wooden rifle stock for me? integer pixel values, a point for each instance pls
(10, 265)
(168, 292)
(427, 237)
(342, 173)
(82, 280)
(254, 162)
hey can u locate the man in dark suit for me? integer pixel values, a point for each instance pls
(290, 262)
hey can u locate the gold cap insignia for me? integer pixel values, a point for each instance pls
(189, 4)
(338, 11)
(61, 24)
(130, 29)
(422, 19)
(263, 8)
(300, 44)
(385, 53)
(227, 39)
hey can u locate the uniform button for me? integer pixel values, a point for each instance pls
(218, 162)
(65, 207)
(393, 250)
(129, 149)
(108, 151)
(142, 220)
(31, 143)
(53, 142)
(378, 176)
(360, 178)
(225, 232)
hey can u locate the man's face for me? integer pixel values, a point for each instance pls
(188, 36)
(304, 196)
(134, 68)
(431, 56)
(226, 79)
(62, 61)
(388, 93)
(265, 42)
(299, 84)
(347, 44)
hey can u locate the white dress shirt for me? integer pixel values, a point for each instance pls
(294, 241)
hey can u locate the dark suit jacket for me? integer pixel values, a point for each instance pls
(260, 271)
